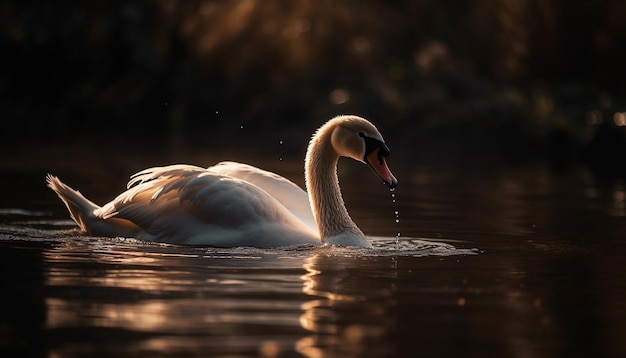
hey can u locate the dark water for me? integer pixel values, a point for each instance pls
(517, 262)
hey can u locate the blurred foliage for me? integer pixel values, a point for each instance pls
(534, 76)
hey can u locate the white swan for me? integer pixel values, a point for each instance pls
(233, 204)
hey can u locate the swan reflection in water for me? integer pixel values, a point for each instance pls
(170, 299)
(348, 315)
(127, 296)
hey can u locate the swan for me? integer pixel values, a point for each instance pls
(234, 204)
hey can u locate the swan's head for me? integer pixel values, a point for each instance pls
(356, 138)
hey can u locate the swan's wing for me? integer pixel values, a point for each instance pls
(181, 203)
(170, 171)
(144, 188)
(285, 191)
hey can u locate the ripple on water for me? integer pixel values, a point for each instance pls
(406, 246)
(383, 246)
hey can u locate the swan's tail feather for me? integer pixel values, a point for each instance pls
(80, 208)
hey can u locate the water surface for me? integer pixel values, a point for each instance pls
(518, 262)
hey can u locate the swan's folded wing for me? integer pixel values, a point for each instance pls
(147, 185)
(195, 201)
(170, 171)
(290, 195)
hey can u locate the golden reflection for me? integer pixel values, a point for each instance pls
(167, 300)
(90, 277)
(347, 314)
(142, 316)
(269, 349)
(144, 280)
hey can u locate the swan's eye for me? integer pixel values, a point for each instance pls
(361, 135)
(372, 144)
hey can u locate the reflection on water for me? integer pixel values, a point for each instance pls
(523, 262)
(170, 298)
(163, 298)
(346, 320)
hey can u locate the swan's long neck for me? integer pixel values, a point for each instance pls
(334, 223)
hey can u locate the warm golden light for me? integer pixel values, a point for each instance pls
(328, 282)
(269, 349)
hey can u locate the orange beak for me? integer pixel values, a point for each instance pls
(377, 161)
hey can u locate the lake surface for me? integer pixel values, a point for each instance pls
(492, 261)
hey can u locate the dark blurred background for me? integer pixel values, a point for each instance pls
(503, 79)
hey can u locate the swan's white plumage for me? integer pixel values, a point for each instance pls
(234, 204)
(285, 191)
(192, 205)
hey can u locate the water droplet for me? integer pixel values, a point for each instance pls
(217, 112)
(397, 217)
(241, 127)
(280, 142)
(166, 103)
(392, 190)
(281, 159)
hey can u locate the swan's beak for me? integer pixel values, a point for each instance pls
(376, 160)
